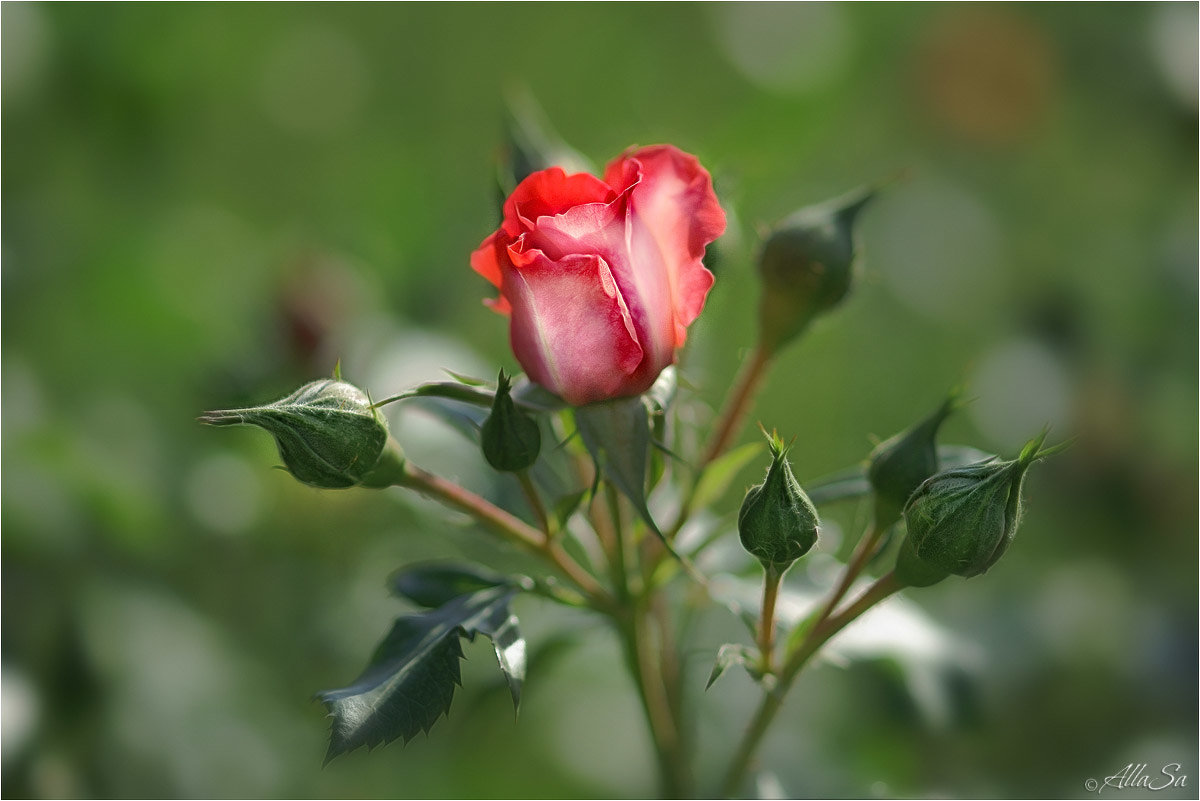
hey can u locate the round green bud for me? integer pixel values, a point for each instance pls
(807, 266)
(511, 439)
(962, 520)
(899, 464)
(777, 522)
(329, 435)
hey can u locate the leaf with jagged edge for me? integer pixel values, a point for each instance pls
(727, 655)
(409, 682)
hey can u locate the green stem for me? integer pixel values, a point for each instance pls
(507, 525)
(772, 701)
(673, 771)
(535, 503)
(772, 576)
(862, 554)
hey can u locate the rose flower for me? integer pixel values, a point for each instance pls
(601, 279)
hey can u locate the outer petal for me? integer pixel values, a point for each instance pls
(640, 272)
(672, 208)
(571, 330)
(550, 191)
(486, 261)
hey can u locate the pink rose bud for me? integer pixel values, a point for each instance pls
(601, 279)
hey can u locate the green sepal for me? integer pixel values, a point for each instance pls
(616, 434)
(728, 655)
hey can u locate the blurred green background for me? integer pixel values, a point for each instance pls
(206, 205)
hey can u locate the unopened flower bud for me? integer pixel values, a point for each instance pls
(962, 520)
(899, 464)
(328, 434)
(807, 266)
(778, 523)
(511, 438)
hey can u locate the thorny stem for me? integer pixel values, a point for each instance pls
(772, 701)
(507, 525)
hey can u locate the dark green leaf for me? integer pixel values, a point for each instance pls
(433, 584)
(410, 680)
(617, 435)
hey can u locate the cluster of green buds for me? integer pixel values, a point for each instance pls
(777, 522)
(329, 435)
(961, 521)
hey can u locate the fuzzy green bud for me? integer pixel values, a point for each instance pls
(962, 520)
(511, 438)
(778, 523)
(807, 266)
(899, 464)
(329, 435)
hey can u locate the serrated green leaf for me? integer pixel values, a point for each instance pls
(718, 475)
(409, 682)
(727, 655)
(433, 584)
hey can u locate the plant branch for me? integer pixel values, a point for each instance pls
(772, 700)
(862, 554)
(535, 503)
(506, 525)
(726, 428)
(737, 403)
(766, 625)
